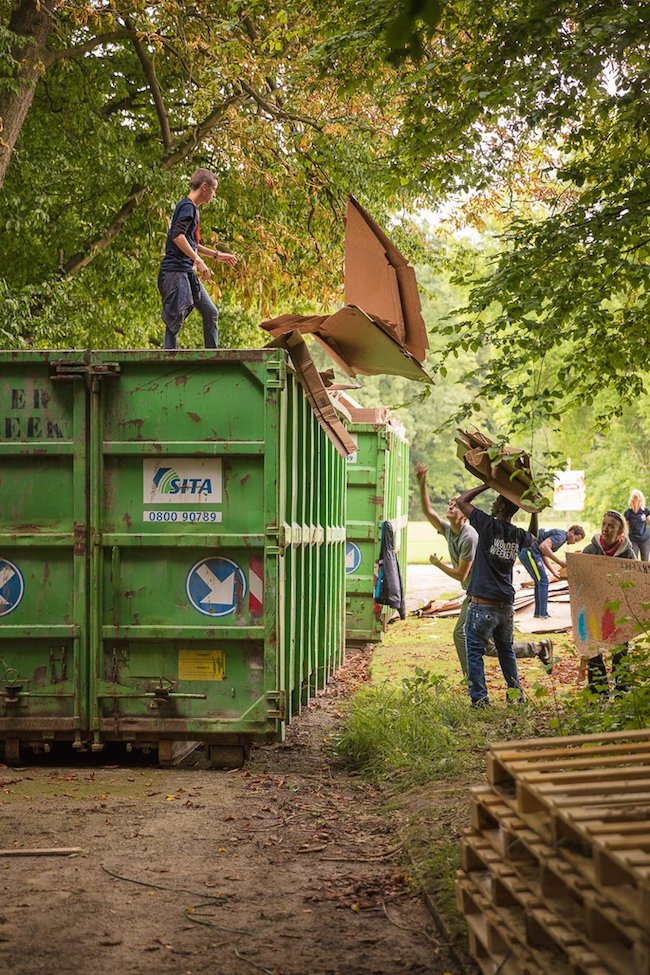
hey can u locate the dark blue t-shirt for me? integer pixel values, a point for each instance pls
(185, 220)
(499, 544)
(638, 524)
(557, 535)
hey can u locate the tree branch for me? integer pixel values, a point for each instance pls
(152, 80)
(276, 112)
(50, 57)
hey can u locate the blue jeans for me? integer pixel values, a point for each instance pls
(534, 565)
(205, 307)
(485, 622)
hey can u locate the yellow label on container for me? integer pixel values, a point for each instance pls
(201, 665)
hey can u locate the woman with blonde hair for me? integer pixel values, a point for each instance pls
(637, 517)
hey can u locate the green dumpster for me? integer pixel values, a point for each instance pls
(172, 549)
(377, 491)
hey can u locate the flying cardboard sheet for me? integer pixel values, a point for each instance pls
(603, 592)
(380, 330)
(379, 279)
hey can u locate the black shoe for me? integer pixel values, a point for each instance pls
(481, 703)
(545, 654)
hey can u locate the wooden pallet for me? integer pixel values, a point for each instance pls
(516, 837)
(557, 904)
(501, 934)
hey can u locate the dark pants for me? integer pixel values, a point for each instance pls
(483, 624)
(534, 565)
(597, 673)
(643, 548)
(181, 293)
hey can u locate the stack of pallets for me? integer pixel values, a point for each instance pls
(556, 866)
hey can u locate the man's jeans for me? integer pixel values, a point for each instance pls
(521, 650)
(485, 622)
(180, 293)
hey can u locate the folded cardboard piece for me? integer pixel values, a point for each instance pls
(378, 416)
(380, 330)
(316, 393)
(505, 469)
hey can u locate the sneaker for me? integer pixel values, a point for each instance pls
(545, 654)
(482, 702)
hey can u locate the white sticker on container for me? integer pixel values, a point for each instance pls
(183, 517)
(182, 480)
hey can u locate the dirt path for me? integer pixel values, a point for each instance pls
(288, 867)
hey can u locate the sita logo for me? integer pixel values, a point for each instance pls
(168, 481)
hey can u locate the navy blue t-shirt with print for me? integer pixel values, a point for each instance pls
(499, 544)
(557, 535)
(638, 524)
(185, 220)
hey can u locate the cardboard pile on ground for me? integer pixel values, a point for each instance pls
(556, 867)
(558, 600)
(506, 469)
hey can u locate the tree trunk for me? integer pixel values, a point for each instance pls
(32, 21)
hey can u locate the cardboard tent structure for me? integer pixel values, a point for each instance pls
(506, 469)
(380, 330)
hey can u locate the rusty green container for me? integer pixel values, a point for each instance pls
(377, 491)
(171, 550)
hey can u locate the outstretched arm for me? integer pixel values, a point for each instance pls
(533, 526)
(460, 574)
(427, 509)
(464, 500)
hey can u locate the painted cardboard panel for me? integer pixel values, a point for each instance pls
(602, 591)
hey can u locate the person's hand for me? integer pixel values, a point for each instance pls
(203, 270)
(434, 560)
(226, 258)
(421, 472)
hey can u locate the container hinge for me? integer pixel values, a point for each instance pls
(279, 699)
(81, 370)
(276, 540)
(278, 366)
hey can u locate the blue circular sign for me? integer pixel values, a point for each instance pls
(215, 585)
(352, 558)
(12, 587)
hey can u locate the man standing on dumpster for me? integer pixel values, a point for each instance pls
(183, 265)
(462, 541)
(490, 591)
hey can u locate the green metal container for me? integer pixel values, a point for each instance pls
(377, 491)
(171, 549)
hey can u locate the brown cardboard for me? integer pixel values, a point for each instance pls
(380, 330)
(379, 279)
(509, 474)
(357, 343)
(600, 598)
(316, 393)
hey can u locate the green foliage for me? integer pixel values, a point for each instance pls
(423, 730)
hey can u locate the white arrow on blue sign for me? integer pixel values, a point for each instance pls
(352, 558)
(214, 585)
(12, 587)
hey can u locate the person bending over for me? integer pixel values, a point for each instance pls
(490, 590)
(539, 556)
(462, 540)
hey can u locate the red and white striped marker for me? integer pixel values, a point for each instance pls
(255, 585)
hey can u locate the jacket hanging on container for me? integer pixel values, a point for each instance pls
(389, 590)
